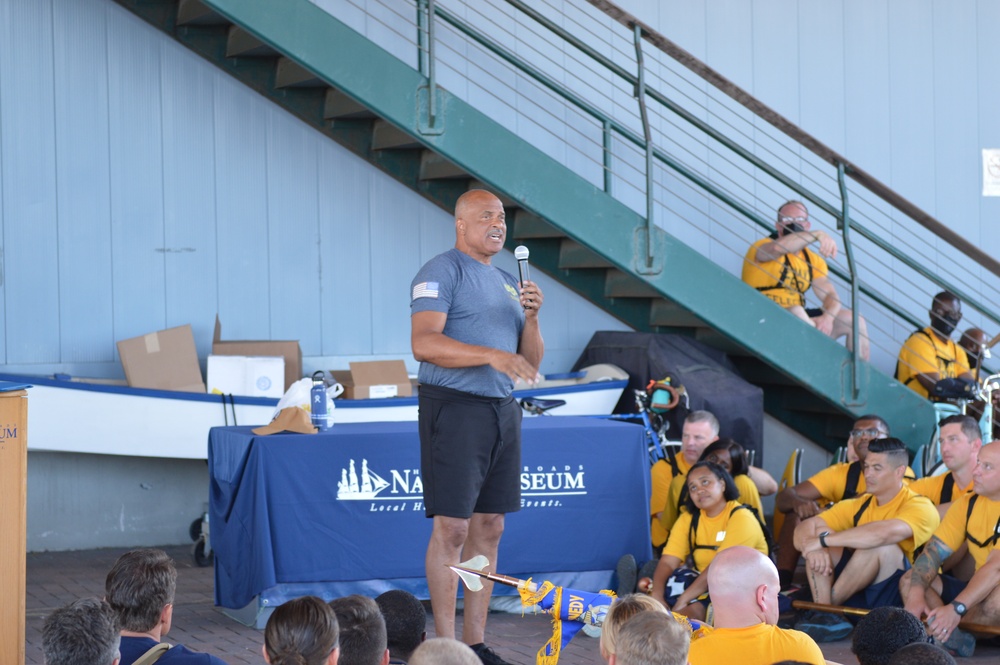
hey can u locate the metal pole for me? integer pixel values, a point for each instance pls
(640, 93)
(607, 156)
(848, 251)
(431, 78)
(421, 42)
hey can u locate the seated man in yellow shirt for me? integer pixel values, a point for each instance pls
(930, 355)
(857, 551)
(783, 268)
(834, 483)
(960, 442)
(743, 584)
(973, 520)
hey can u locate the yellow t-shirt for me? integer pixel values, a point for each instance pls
(983, 523)
(915, 510)
(786, 279)
(730, 527)
(932, 486)
(660, 476)
(831, 482)
(761, 644)
(923, 352)
(673, 508)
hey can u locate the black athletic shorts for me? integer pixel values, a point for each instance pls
(470, 453)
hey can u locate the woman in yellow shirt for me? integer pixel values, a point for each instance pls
(714, 520)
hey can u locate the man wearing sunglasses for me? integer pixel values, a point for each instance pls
(784, 268)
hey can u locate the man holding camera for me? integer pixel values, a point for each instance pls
(783, 268)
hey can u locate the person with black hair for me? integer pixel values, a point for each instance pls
(882, 632)
(857, 551)
(302, 631)
(405, 623)
(731, 456)
(922, 653)
(930, 356)
(714, 521)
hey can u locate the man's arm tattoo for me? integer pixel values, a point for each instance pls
(925, 568)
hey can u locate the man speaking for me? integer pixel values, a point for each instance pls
(474, 333)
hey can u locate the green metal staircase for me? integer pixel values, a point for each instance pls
(379, 107)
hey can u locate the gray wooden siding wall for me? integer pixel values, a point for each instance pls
(141, 188)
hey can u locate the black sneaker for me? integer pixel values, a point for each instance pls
(487, 655)
(824, 626)
(626, 571)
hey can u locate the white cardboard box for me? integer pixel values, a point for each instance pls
(253, 376)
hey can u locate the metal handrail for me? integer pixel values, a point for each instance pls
(610, 124)
(794, 132)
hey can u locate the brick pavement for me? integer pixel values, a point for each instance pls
(56, 578)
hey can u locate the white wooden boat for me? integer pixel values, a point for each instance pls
(102, 419)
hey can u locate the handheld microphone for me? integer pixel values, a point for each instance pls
(521, 254)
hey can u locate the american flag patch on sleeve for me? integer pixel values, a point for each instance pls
(425, 290)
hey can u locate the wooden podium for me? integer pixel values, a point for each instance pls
(13, 539)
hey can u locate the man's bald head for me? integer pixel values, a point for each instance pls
(744, 587)
(472, 201)
(974, 342)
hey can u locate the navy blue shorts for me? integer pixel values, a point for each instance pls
(881, 594)
(470, 453)
(951, 587)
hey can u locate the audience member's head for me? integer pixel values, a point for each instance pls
(302, 631)
(362, 631)
(85, 631)
(405, 622)
(921, 653)
(651, 638)
(444, 651)
(730, 491)
(744, 587)
(622, 610)
(974, 343)
(882, 632)
(140, 589)
(728, 454)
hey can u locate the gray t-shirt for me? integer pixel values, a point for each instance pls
(483, 307)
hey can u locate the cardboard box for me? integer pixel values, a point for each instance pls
(165, 360)
(253, 376)
(289, 350)
(375, 379)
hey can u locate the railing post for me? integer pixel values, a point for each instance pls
(845, 227)
(606, 135)
(640, 93)
(426, 65)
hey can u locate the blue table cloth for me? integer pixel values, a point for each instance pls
(341, 512)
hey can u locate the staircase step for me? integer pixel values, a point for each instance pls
(663, 312)
(386, 136)
(623, 285)
(530, 225)
(290, 74)
(242, 44)
(193, 12)
(435, 167)
(574, 255)
(339, 106)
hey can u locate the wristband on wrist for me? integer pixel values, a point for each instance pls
(822, 538)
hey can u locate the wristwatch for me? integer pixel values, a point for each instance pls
(960, 608)
(822, 538)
